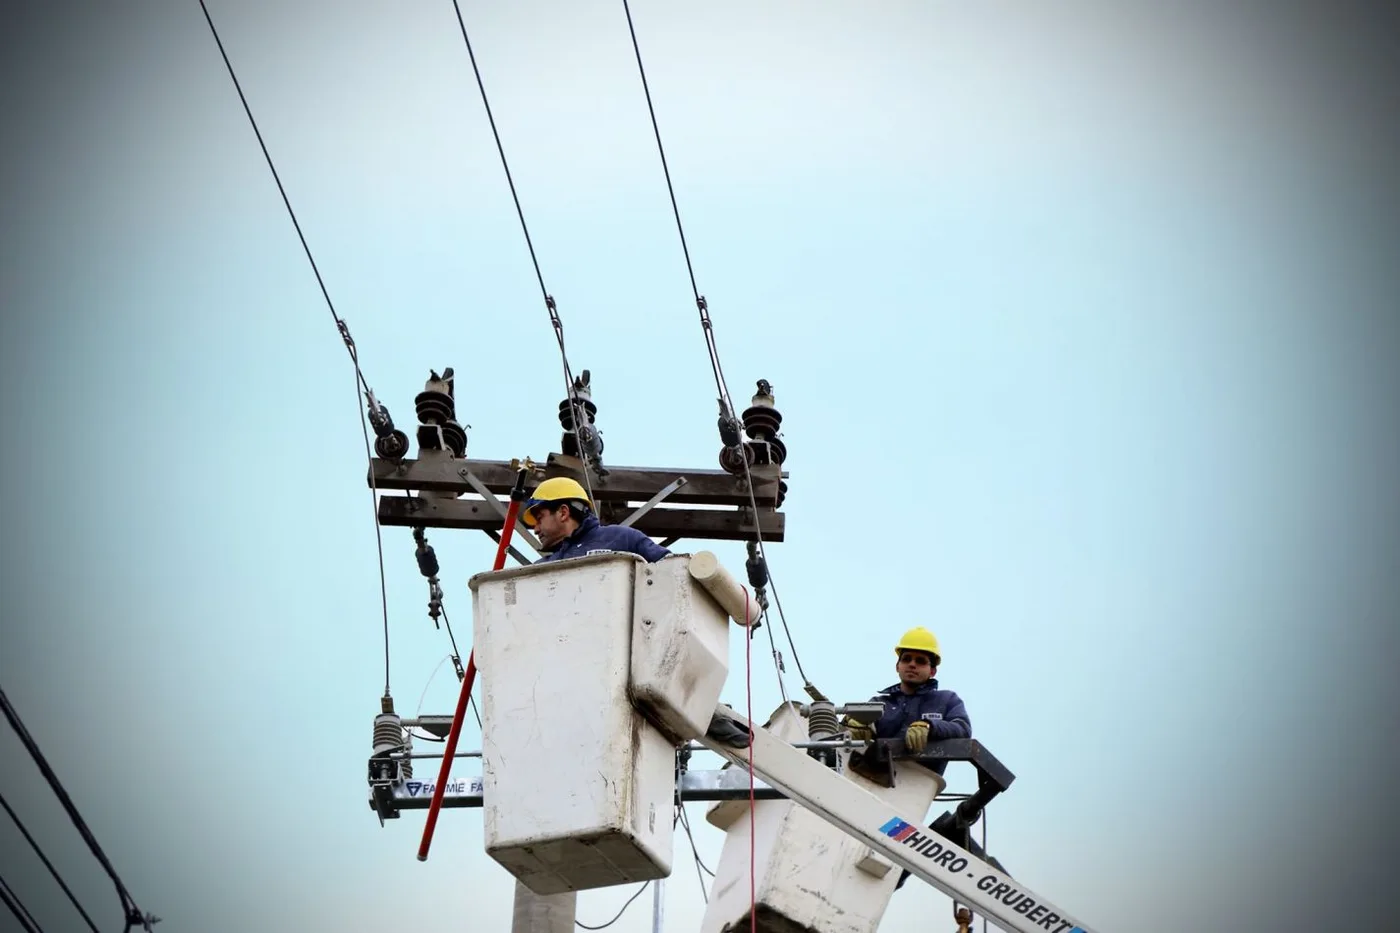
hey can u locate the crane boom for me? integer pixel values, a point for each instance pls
(899, 837)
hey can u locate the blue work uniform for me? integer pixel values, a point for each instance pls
(943, 710)
(593, 537)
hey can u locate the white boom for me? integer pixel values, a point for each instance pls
(901, 838)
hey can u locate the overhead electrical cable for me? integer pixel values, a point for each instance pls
(584, 926)
(33, 844)
(707, 327)
(700, 868)
(685, 824)
(133, 914)
(700, 302)
(22, 914)
(554, 319)
(341, 326)
(418, 712)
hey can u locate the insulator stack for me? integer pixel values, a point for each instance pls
(389, 737)
(822, 724)
(388, 733)
(761, 422)
(581, 411)
(821, 721)
(437, 408)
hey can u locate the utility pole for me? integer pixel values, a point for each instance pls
(539, 913)
(443, 488)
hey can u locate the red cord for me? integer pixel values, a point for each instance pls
(753, 826)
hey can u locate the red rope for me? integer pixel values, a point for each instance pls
(753, 826)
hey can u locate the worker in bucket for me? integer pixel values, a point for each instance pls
(561, 514)
(915, 709)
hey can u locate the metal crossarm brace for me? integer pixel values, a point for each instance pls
(901, 838)
(654, 501)
(490, 497)
(510, 548)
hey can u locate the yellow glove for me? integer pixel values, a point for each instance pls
(858, 732)
(917, 737)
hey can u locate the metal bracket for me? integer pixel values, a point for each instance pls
(654, 501)
(389, 800)
(510, 548)
(439, 726)
(480, 488)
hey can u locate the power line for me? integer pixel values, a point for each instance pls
(340, 324)
(685, 823)
(22, 914)
(645, 885)
(472, 700)
(554, 320)
(680, 228)
(47, 864)
(133, 913)
(777, 658)
(418, 712)
(456, 655)
(777, 601)
(700, 867)
(727, 406)
(584, 926)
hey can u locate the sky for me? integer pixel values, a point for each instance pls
(1081, 318)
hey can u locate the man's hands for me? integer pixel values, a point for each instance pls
(916, 739)
(858, 732)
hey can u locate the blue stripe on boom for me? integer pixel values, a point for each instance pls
(893, 826)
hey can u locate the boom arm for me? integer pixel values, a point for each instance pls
(845, 805)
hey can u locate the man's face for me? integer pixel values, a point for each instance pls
(550, 524)
(914, 667)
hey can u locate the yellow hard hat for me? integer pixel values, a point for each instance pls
(560, 489)
(919, 639)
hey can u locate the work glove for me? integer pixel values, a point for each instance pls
(858, 732)
(723, 729)
(917, 737)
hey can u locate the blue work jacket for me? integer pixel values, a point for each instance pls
(593, 537)
(943, 710)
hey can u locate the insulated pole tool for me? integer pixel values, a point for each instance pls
(517, 497)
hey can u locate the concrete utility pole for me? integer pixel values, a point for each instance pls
(536, 913)
(451, 491)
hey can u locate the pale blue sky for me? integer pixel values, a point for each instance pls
(1081, 321)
